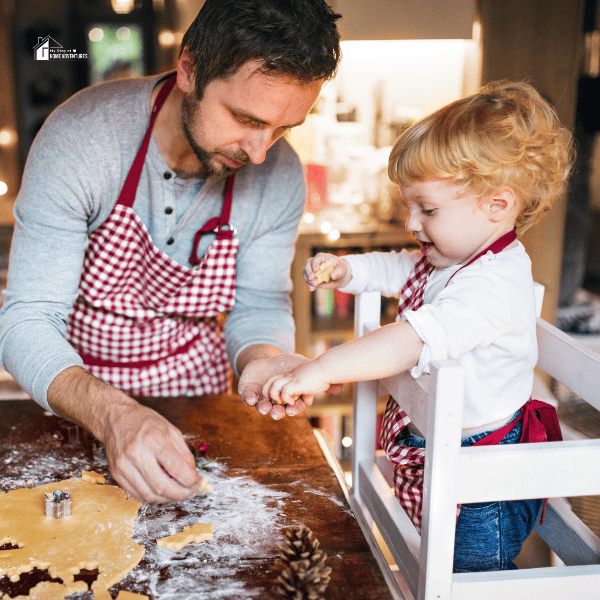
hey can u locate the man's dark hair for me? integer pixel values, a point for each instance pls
(295, 38)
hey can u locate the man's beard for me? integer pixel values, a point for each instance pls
(189, 114)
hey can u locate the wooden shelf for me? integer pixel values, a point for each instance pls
(332, 325)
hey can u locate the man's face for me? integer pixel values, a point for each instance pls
(238, 119)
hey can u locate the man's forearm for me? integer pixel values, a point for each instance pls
(146, 454)
(78, 396)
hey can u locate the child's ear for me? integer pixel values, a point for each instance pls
(186, 80)
(500, 204)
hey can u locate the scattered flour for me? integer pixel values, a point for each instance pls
(41, 466)
(247, 517)
(308, 489)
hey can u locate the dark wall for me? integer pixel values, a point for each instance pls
(540, 41)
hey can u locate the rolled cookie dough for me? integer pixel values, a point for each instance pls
(97, 535)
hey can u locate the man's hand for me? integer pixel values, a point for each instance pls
(255, 375)
(146, 454)
(257, 371)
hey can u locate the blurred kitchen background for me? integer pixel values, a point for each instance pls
(401, 60)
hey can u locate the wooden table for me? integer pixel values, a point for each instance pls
(274, 476)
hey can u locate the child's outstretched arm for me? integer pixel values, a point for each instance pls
(386, 351)
(326, 271)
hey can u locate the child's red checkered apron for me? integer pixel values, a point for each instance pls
(143, 322)
(409, 462)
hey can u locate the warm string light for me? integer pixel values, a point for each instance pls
(166, 38)
(96, 34)
(122, 7)
(123, 33)
(7, 138)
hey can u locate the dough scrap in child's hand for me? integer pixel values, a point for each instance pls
(324, 272)
(198, 532)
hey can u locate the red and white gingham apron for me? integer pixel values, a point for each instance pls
(410, 462)
(144, 323)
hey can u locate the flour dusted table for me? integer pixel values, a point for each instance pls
(269, 475)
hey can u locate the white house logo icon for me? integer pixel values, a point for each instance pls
(42, 48)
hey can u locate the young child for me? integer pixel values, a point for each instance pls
(473, 175)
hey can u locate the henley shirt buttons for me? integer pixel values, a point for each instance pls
(170, 241)
(168, 210)
(167, 175)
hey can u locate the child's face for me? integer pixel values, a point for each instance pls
(450, 225)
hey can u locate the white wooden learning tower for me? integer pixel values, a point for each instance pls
(554, 470)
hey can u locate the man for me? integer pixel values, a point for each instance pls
(133, 236)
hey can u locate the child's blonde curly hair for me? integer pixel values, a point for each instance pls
(505, 135)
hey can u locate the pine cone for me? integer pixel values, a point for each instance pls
(303, 575)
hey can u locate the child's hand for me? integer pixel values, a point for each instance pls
(326, 271)
(304, 381)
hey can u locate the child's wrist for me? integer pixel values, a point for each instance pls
(320, 368)
(345, 280)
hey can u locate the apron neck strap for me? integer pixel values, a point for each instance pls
(127, 195)
(502, 242)
(218, 225)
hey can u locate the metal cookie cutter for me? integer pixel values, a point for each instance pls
(58, 504)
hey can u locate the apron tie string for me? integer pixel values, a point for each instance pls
(539, 424)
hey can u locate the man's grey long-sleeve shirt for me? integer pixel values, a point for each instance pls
(73, 176)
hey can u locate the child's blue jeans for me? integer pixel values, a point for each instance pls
(489, 535)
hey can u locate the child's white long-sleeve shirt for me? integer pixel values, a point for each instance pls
(485, 319)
